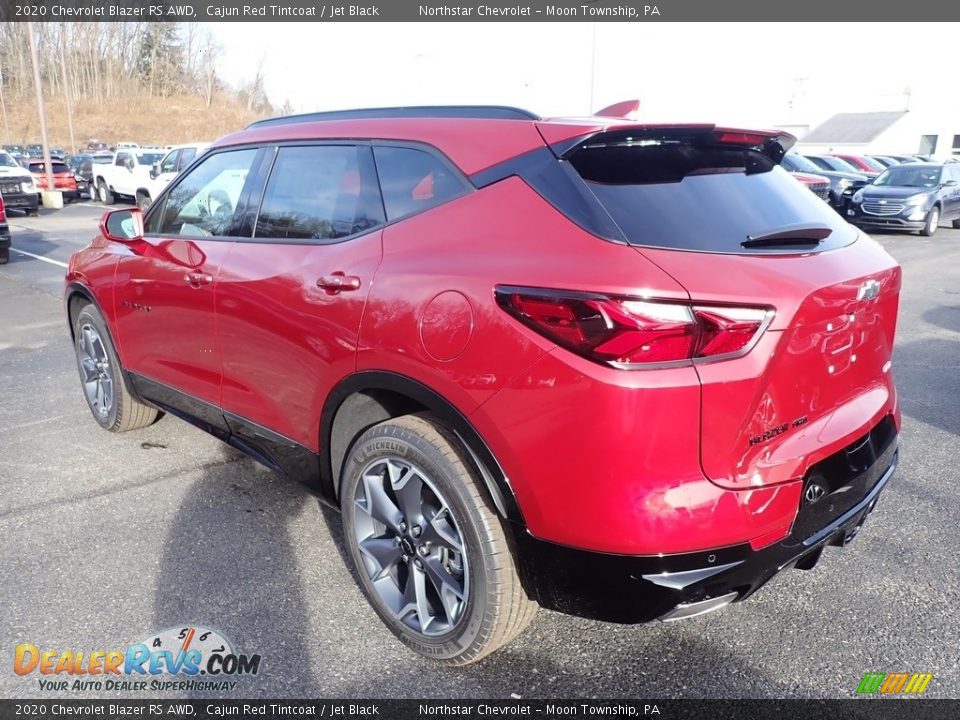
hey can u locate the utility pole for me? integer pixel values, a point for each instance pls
(3, 104)
(66, 91)
(593, 65)
(43, 116)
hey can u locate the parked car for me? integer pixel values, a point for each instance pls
(165, 170)
(17, 185)
(82, 166)
(903, 158)
(831, 162)
(886, 160)
(863, 163)
(817, 184)
(96, 146)
(34, 150)
(63, 178)
(14, 149)
(624, 371)
(842, 184)
(127, 145)
(129, 171)
(914, 196)
(4, 234)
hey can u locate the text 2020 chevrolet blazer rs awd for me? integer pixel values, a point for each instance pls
(623, 371)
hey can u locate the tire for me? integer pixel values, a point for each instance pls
(104, 193)
(931, 223)
(4, 256)
(412, 553)
(109, 402)
(956, 224)
(143, 202)
(33, 212)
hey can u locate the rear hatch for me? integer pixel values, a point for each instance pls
(715, 211)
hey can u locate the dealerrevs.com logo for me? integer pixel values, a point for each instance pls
(180, 658)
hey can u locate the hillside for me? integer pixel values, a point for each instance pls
(141, 119)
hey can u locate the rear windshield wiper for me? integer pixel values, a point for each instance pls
(793, 235)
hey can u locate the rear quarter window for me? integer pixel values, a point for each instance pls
(413, 180)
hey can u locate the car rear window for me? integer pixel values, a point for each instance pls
(54, 167)
(701, 197)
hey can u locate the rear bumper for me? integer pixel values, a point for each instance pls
(69, 194)
(4, 236)
(631, 589)
(20, 201)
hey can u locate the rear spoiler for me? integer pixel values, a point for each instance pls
(565, 139)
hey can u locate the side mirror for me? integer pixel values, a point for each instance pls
(155, 170)
(123, 226)
(950, 183)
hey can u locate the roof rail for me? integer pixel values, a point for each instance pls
(475, 112)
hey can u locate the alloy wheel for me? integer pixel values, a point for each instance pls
(412, 549)
(933, 221)
(95, 367)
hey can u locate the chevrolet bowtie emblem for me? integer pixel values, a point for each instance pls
(869, 290)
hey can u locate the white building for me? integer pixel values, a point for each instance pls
(903, 132)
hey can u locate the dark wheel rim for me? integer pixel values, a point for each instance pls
(412, 549)
(95, 370)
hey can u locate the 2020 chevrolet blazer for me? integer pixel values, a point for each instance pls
(620, 370)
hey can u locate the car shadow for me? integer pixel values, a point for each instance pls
(649, 660)
(229, 563)
(931, 365)
(38, 242)
(944, 316)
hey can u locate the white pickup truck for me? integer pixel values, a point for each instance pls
(129, 171)
(173, 163)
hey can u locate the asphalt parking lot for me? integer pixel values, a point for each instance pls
(110, 538)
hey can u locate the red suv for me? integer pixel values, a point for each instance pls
(624, 371)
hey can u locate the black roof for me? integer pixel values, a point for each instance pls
(475, 112)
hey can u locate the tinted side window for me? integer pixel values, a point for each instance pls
(203, 202)
(186, 157)
(121, 159)
(413, 180)
(169, 163)
(323, 192)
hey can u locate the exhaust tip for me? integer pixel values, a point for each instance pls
(683, 611)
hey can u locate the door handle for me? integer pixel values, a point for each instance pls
(197, 279)
(337, 282)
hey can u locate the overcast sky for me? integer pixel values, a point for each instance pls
(745, 73)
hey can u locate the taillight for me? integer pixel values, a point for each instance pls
(3, 211)
(627, 332)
